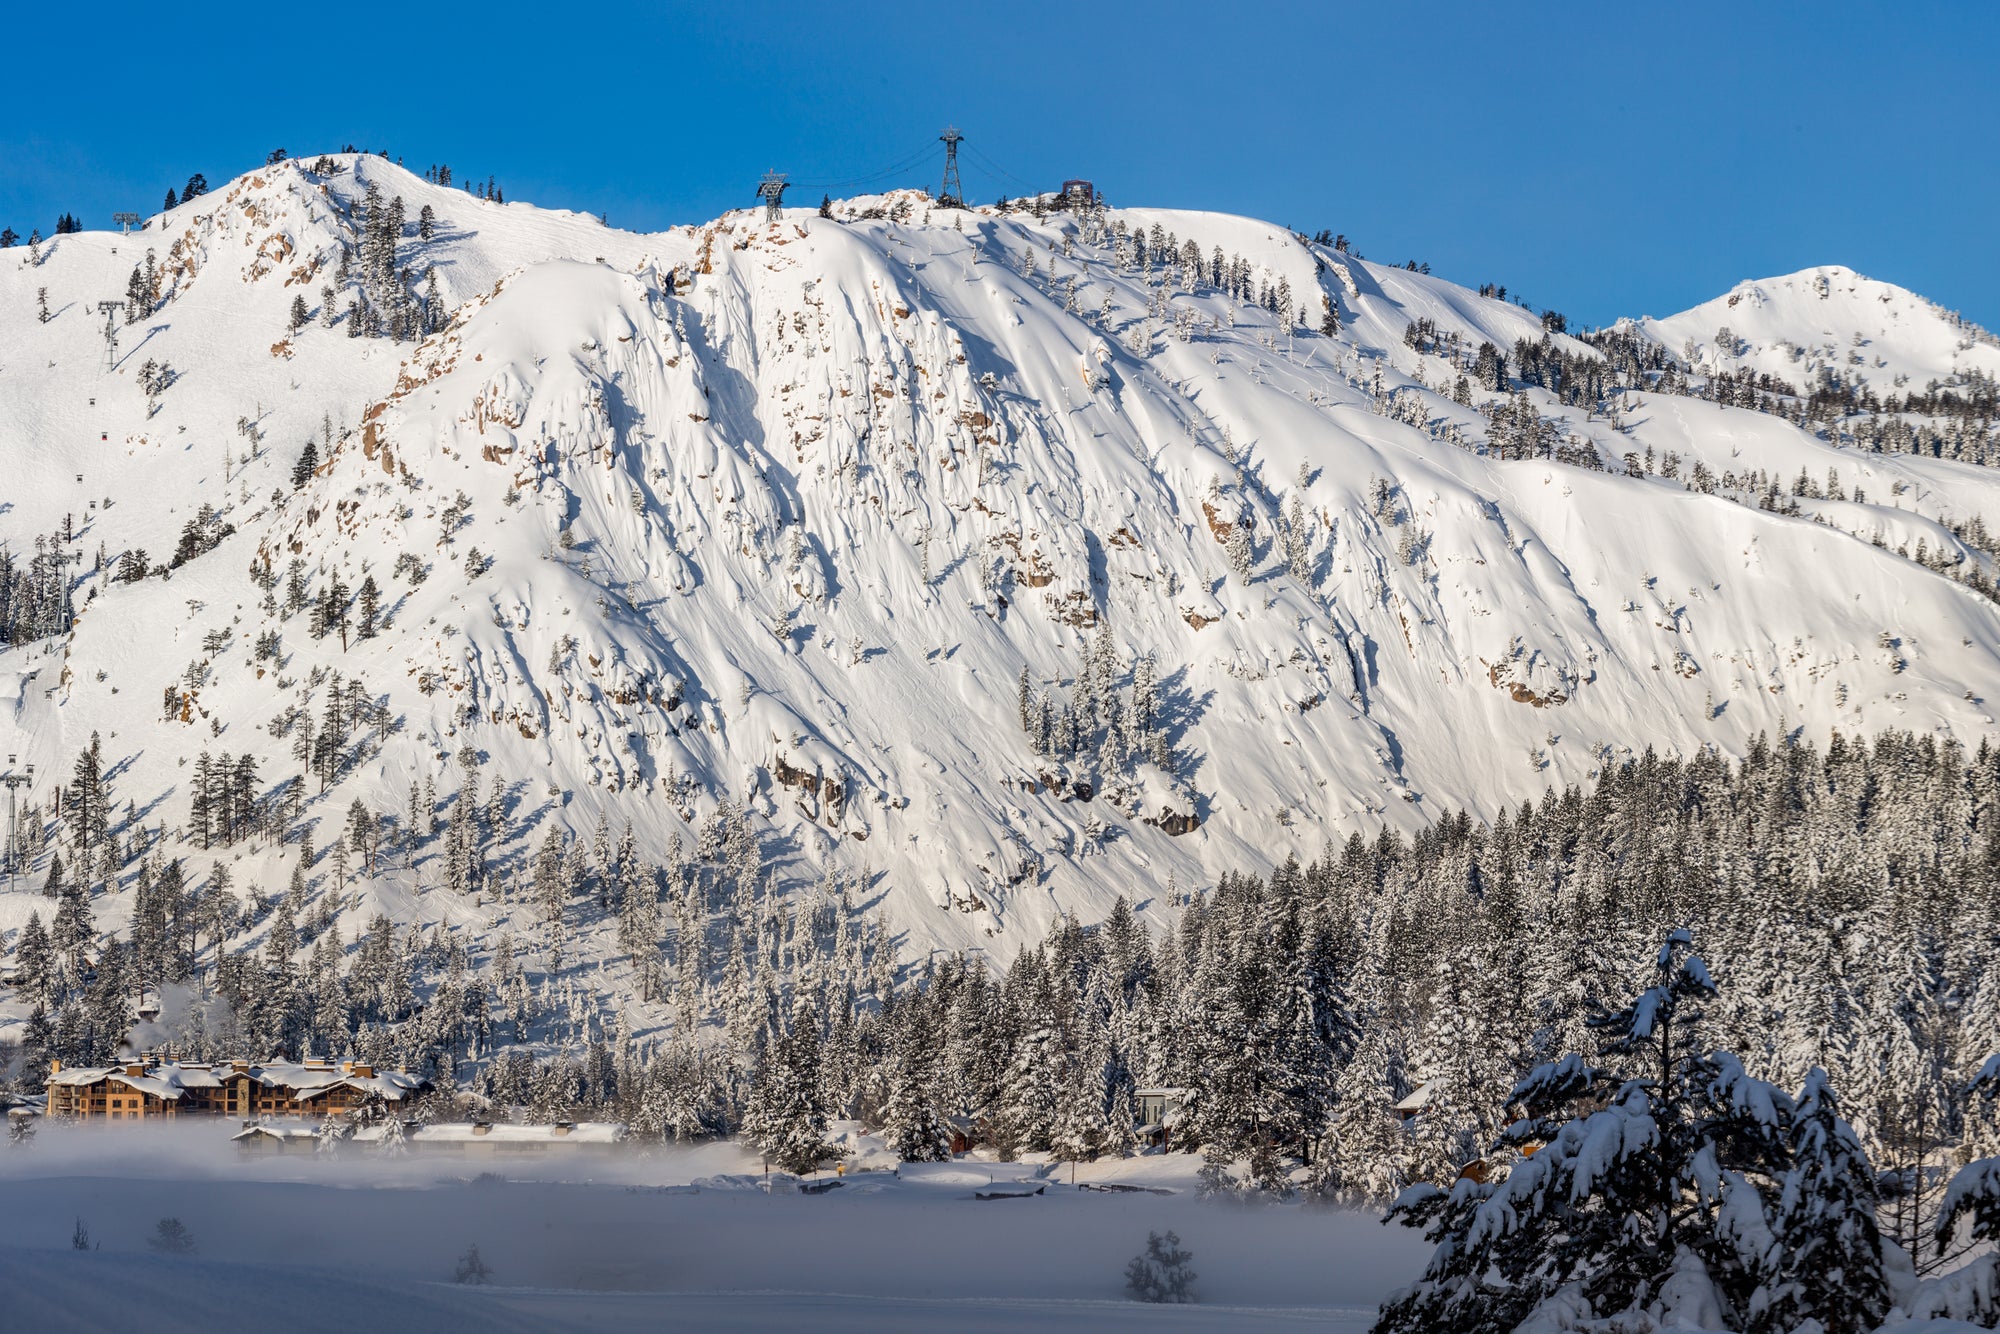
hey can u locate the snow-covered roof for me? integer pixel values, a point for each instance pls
(158, 1081)
(463, 1132)
(1419, 1098)
(170, 1080)
(311, 1079)
(265, 1131)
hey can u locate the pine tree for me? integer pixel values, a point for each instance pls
(600, 849)
(1829, 1266)
(1242, 553)
(38, 1041)
(638, 914)
(552, 893)
(912, 1123)
(33, 959)
(73, 932)
(1627, 1200)
(786, 1114)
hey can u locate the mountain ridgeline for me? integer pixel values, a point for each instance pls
(442, 625)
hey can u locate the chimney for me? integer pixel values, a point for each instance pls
(135, 1069)
(481, 1127)
(55, 1067)
(362, 1070)
(239, 1067)
(560, 1129)
(347, 1067)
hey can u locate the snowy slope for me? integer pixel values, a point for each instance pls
(1828, 319)
(825, 501)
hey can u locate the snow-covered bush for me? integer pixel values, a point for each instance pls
(1162, 1273)
(471, 1269)
(171, 1237)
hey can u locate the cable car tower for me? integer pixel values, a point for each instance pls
(951, 194)
(772, 191)
(12, 780)
(110, 309)
(125, 221)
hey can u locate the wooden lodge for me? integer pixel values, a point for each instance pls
(139, 1089)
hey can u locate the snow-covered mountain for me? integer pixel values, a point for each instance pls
(1828, 324)
(780, 513)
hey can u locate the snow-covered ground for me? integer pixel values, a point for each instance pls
(613, 1242)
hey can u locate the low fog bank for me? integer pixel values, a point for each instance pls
(200, 1148)
(56, 1290)
(637, 1227)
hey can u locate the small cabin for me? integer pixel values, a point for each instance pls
(259, 1139)
(1155, 1113)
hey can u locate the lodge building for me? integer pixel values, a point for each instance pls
(139, 1089)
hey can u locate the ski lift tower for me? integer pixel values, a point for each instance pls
(951, 194)
(772, 191)
(125, 222)
(110, 309)
(12, 780)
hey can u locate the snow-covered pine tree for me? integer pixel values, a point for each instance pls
(1826, 1269)
(1240, 548)
(1636, 1192)
(638, 914)
(912, 1122)
(600, 848)
(1082, 1130)
(786, 1113)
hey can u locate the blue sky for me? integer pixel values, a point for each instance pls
(1600, 160)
